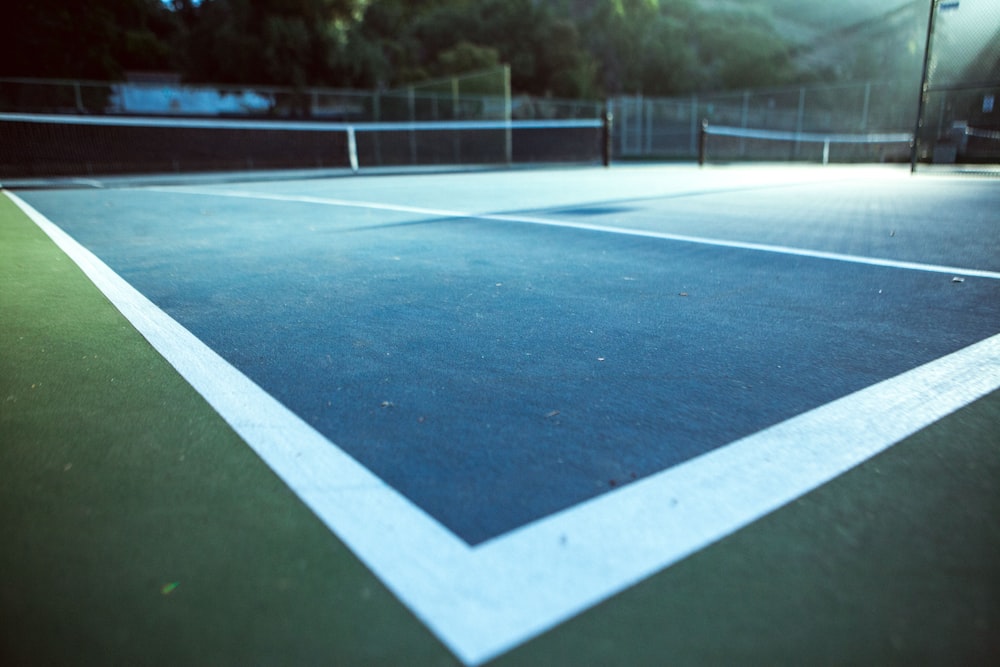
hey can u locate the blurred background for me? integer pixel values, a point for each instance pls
(660, 66)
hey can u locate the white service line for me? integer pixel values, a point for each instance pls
(485, 600)
(533, 220)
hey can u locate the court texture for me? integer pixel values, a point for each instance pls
(645, 415)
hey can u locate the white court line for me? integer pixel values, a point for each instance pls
(501, 217)
(482, 601)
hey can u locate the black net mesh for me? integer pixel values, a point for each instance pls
(46, 146)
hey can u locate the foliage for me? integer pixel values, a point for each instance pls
(99, 39)
(565, 48)
(287, 42)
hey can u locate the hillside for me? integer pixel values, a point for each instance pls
(846, 40)
(810, 15)
(560, 48)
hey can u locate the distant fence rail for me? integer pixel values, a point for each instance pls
(644, 128)
(486, 100)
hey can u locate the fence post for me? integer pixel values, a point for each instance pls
(622, 124)
(607, 120)
(744, 120)
(799, 121)
(79, 98)
(702, 134)
(508, 116)
(694, 125)
(411, 102)
(867, 105)
(923, 89)
(377, 116)
(648, 132)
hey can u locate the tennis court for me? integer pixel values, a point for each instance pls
(645, 415)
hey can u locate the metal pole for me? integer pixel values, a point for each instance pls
(649, 126)
(606, 135)
(914, 146)
(624, 124)
(799, 122)
(694, 124)
(457, 143)
(411, 103)
(508, 113)
(744, 119)
(377, 116)
(702, 135)
(79, 97)
(638, 124)
(867, 105)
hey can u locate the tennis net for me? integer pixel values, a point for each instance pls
(726, 143)
(39, 145)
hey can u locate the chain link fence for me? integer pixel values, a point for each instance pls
(478, 96)
(668, 128)
(957, 119)
(960, 119)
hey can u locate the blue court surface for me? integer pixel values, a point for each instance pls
(500, 373)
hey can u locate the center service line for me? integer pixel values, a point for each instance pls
(531, 220)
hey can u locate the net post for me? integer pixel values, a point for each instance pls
(826, 151)
(606, 122)
(914, 146)
(702, 134)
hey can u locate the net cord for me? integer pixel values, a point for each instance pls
(809, 137)
(798, 137)
(318, 126)
(350, 129)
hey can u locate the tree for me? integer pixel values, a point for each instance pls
(566, 48)
(741, 49)
(282, 42)
(542, 48)
(100, 39)
(465, 57)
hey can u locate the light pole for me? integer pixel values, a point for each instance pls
(914, 148)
